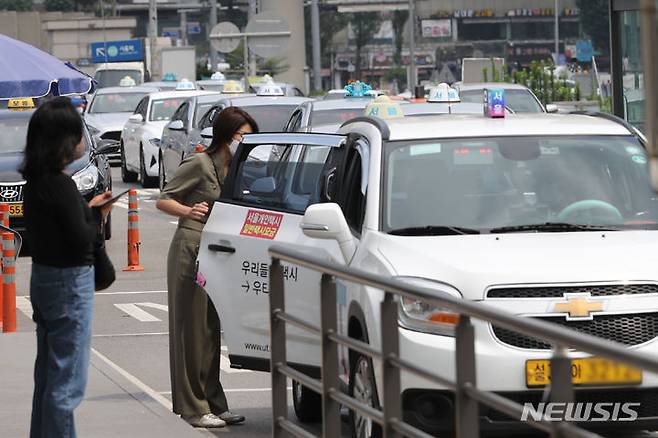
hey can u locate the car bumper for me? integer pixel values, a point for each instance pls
(501, 369)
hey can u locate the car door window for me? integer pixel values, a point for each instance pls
(294, 122)
(141, 107)
(181, 114)
(352, 188)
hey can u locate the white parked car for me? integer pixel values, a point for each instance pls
(141, 135)
(546, 216)
(518, 98)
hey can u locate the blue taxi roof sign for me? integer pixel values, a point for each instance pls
(384, 108)
(443, 93)
(169, 77)
(218, 76)
(357, 89)
(185, 84)
(270, 90)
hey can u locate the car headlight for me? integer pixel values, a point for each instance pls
(421, 316)
(86, 179)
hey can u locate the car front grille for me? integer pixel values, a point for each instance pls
(629, 329)
(559, 291)
(112, 135)
(11, 192)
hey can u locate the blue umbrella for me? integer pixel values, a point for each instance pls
(26, 71)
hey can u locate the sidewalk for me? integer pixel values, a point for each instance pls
(113, 405)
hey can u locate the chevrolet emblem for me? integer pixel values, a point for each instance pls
(578, 307)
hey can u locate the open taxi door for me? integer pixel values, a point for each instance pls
(273, 178)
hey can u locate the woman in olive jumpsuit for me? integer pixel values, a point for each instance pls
(194, 330)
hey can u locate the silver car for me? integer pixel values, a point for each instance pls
(326, 112)
(109, 109)
(518, 98)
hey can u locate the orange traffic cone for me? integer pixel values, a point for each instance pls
(8, 282)
(133, 233)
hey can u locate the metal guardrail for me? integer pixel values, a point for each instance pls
(468, 396)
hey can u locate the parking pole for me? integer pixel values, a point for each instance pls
(277, 349)
(8, 283)
(4, 214)
(133, 233)
(4, 218)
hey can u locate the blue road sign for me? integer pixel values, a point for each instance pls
(584, 50)
(171, 32)
(193, 28)
(117, 51)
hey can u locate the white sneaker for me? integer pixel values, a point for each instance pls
(207, 421)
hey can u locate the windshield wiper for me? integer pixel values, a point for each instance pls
(433, 230)
(554, 227)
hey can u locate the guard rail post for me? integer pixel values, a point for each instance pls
(331, 422)
(277, 349)
(391, 374)
(467, 414)
(561, 385)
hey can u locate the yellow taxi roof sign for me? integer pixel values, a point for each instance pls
(232, 87)
(20, 104)
(384, 108)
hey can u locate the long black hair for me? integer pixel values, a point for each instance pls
(226, 124)
(54, 131)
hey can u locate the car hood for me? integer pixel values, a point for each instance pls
(10, 164)
(472, 263)
(107, 121)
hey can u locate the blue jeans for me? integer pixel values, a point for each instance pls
(62, 299)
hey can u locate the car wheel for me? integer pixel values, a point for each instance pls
(108, 227)
(126, 175)
(363, 388)
(161, 174)
(147, 181)
(307, 404)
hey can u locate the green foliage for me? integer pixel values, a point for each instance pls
(60, 5)
(398, 20)
(202, 71)
(331, 22)
(272, 66)
(398, 74)
(364, 25)
(540, 78)
(16, 5)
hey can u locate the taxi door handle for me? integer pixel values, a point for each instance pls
(221, 248)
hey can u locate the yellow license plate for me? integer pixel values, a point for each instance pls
(587, 371)
(16, 209)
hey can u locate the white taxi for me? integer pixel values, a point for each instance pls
(548, 216)
(141, 134)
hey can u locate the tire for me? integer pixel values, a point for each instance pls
(362, 387)
(307, 404)
(108, 227)
(161, 174)
(126, 175)
(147, 181)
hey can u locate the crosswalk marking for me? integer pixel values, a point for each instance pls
(139, 314)
(24, 305)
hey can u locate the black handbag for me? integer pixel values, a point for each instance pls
(104, 274)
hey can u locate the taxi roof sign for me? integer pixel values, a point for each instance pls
(127, 81)
(494, 103)
(21, 104)
(232, 87)
(218, 76)
(185, 84)
(270, 90)
(169, 77)
(384, 108)
(357, 89)
(443, 93)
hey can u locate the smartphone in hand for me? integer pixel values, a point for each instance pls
(113, 199)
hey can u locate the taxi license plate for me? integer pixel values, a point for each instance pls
(586, 371)
(16, 209)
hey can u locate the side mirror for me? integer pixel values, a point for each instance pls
(106, 147)
(176, 125)
(551, 108)
(263, 186)
(136, 118)
(207, 133)
(327, 221)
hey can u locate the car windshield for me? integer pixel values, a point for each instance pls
(487, 183)
(163, 109)
(111, 78)
(520, 101)
(115, 103)
(270, 118)
(14, 132)
(330, 117)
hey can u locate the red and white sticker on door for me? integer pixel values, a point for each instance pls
(262, 224)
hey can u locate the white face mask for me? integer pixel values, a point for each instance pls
(233, 147)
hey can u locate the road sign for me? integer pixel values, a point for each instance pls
(267, 46)
(225, 45)
(584, 50)
(193, 28)
(171, 32)
(117, 51)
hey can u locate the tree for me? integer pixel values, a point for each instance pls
(364, 25)
(595, 20)
(331, 22)
(60, 5)
(15, 5)
(398, 20)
